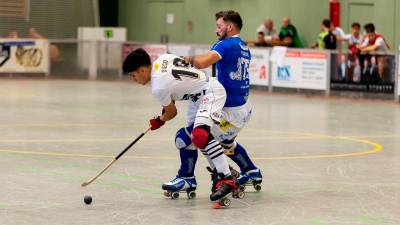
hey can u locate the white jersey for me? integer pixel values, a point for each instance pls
(380, 42)
(171, 80)
(353, 40)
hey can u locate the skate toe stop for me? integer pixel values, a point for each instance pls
(217, 205)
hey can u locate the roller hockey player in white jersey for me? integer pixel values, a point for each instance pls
(232, 58)
(172, 79)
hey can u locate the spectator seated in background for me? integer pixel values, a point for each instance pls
(54, 51)
(336, 30)
(353, 39)
(267, 28)
(374, 43)
(260, 42)
(288, 34)
(326, 39)
(373, 40)
(12, 34)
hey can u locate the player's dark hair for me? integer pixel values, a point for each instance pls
(369, 28)
(230, 16)
(326, 23)
(356, 25)
(136, 59)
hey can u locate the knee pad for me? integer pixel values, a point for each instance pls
(201, 136)
(182, 137)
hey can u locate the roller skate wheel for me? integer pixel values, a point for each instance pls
(225, 202)
(167, 194)
(175, 195)
(217, 205)
(236, 193)
(257, 187)
(242, 187)
(191, 194)
(240, 194)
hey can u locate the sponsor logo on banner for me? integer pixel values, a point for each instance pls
(23, 55)
(302, 69)
(29, 57)
(4, 53)
(258, 68)
(283, 72)
(263, 72)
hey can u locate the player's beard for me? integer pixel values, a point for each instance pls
(222, 35)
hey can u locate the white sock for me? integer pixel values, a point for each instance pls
(216, 157)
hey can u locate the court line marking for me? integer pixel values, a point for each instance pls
(129, 139)
(377, 148)
(124, 125)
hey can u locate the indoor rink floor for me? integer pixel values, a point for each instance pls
(325, 161)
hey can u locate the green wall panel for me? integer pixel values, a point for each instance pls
(144, 22)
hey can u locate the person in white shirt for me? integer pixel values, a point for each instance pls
(373, 40)
(375, 43)
(268, 29)
(173, 79)
(355, 37)
(337, 31)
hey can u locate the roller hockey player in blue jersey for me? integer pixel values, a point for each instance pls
(232, 57)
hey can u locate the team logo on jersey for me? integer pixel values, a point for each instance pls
(156, 66)
(235, 75)
(225, 125)
(193, 97)
(217, 115)
(205, 100)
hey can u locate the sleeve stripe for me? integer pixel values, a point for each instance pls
(220, 57)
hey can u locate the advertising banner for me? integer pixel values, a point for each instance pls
(258, 70)
(302, 69)
(24, 56)
(363, 72)
(398, 76)
(154, 50)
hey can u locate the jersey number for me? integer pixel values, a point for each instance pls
(178, 73)
(242, 72)
(183, 73)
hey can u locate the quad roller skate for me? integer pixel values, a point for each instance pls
(221, 188)
(225, 202)
(180, 185)
(250, 178)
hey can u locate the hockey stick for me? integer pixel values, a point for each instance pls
(86, 183)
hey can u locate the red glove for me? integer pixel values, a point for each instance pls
(156, 123)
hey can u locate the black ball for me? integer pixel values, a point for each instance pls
(87, 199)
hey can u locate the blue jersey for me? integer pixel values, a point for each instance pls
(233, 69)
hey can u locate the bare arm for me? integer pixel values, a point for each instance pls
(170, 112)
(341, 38)
(368, 48)
(203, 61)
